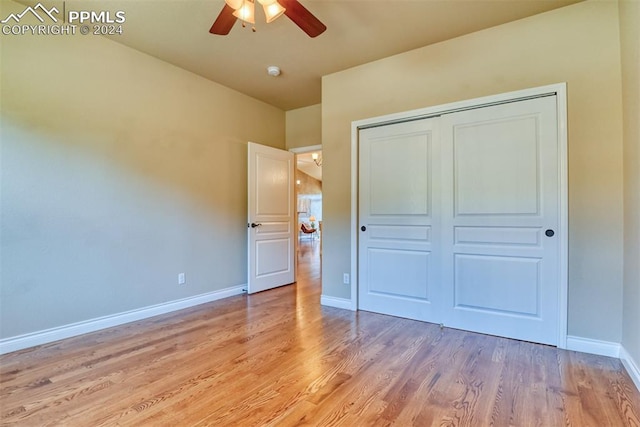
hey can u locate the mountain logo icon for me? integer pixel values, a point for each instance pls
(34, 11)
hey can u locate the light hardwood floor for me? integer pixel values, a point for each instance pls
(278, 358)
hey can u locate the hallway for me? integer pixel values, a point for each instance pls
(309, 261)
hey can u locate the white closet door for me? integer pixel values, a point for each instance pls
(399, 237)
(500, 220)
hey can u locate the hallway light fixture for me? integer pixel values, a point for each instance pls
(316, 159)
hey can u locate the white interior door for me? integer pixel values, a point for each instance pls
(399, 256)
(271, 231)
(501, 218)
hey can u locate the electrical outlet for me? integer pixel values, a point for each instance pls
(345, 278)
(181, 279)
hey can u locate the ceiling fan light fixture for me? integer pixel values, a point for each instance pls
(246, 12)
(272, 11)
(245, 9)
(235, 4)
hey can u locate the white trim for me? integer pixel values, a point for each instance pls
(354, 217)
(632, 367)
(563, 194)
(468, 103)
(46, 336)
(300, 150)
(563, 233)
(342, 303)
(588, 345)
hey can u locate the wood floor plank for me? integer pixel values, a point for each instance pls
(279, 358)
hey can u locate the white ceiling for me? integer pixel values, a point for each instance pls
(359, 31)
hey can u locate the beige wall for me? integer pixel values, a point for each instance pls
(579, 45)
(118, 172)
(304, 127)
(308, 184)
(630, 44)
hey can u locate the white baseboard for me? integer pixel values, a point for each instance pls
(343, 303)
(20, 342)
(631, 366)
(588, 345)
(605, 348)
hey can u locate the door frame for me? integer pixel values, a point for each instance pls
(560, 92)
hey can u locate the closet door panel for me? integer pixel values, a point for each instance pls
(500, 220)
(399, 237)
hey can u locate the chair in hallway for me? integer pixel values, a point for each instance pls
(308, 230)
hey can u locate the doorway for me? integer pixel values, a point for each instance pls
(308, 190)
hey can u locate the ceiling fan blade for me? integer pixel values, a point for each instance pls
(303, 18)
(224, 22)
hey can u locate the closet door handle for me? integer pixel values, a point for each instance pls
(254, 225)
(549, 233)
(363, 228)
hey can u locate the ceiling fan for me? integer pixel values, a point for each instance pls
(243, 9)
